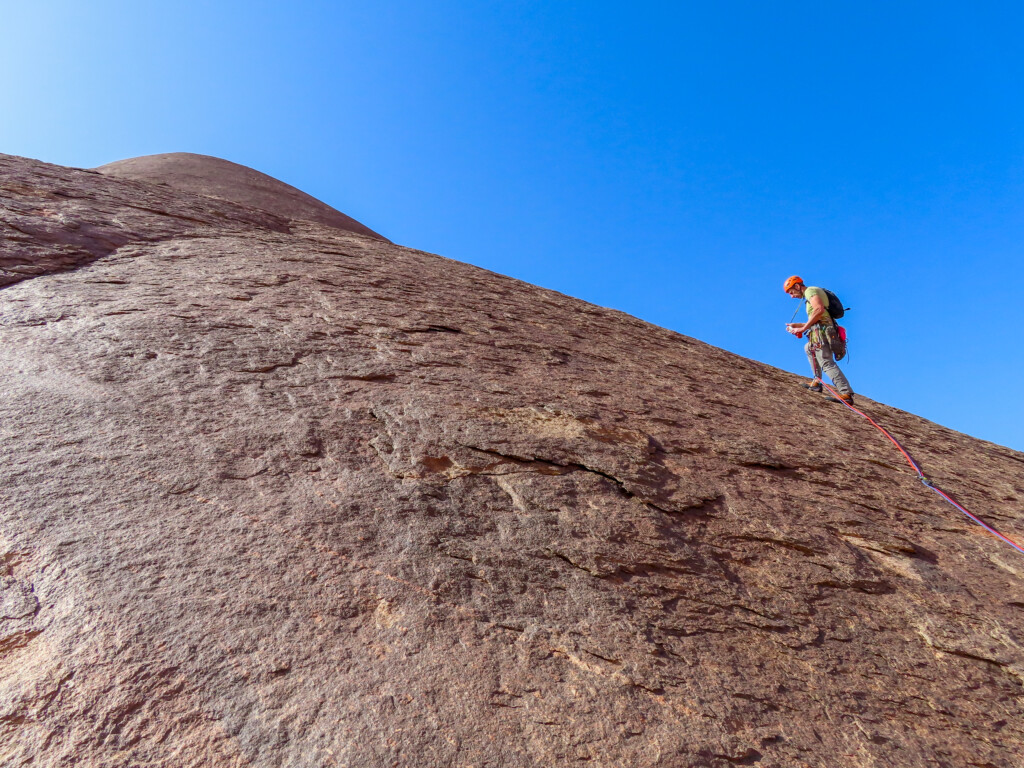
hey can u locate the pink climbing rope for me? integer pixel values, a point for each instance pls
(920, 474)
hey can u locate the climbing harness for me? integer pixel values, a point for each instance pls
(840, 330)
(921, 475)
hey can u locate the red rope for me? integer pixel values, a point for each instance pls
(920, 474)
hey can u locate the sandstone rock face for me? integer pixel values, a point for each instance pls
(215, 177)
(278, 494)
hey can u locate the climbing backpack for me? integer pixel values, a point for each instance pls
(835, 306)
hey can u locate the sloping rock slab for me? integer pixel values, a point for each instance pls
(291, 496)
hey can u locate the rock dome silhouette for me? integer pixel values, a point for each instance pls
(214, 177)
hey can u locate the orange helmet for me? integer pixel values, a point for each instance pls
(791, 281)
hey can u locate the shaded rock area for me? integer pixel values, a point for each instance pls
(278, 494)
(55, 220)
(215, 177)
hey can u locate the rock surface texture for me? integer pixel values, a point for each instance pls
(278, 494)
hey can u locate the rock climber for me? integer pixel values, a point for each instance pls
(822, 337)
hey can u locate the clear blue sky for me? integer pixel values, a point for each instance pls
(673, 160)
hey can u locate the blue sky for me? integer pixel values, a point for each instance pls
(673, 160)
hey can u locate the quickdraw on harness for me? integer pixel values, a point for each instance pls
(928, 483)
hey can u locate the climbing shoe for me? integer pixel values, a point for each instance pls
(848, 399)
(814, 387)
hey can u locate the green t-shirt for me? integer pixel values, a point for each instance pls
(826, 318)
